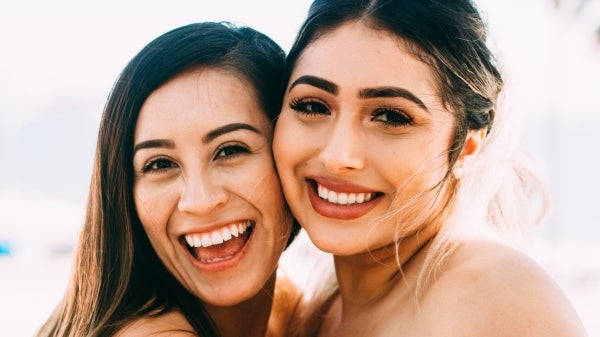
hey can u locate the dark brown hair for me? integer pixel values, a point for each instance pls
(117, 275)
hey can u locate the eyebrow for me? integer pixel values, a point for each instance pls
(165, 143)
(386, 92)
(316, 82)
(391, 92)
(152, 143)
(227, 129)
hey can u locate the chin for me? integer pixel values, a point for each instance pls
(231, 296)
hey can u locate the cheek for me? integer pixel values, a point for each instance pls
(287, 142)
(267, 196)
(412, 166)
(259, 185)
(152, 207)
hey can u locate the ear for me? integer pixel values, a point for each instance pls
(471, 148)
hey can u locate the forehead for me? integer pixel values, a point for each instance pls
(200, 99)
(356, 53)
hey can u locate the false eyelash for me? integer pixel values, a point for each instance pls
(299, 105)
(407, 120)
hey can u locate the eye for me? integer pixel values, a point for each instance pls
(308, 106)
(231, 151)
(392, 117)
(158, 165)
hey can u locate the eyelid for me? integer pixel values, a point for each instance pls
(233, 144)
(382, 109)
(146, 168)
(300, 104)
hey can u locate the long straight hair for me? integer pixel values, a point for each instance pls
(117, 276)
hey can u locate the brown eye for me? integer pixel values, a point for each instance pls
(159, 165)
(231, 150)
(392, 117)
(309, 107)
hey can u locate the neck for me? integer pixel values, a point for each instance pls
(366, 278)
(248, 318)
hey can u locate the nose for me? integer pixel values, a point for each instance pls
(201, 195)
(343, 151)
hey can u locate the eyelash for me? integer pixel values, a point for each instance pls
(302, 106)
(150, 166)
(307, 106)
(404, 119)
(234, 150)
(237, 149)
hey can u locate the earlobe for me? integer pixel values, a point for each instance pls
(471, 148)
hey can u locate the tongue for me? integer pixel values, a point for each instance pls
(222, 251)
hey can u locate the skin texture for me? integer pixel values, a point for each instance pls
(395, 148)
(354, 142)
(191, 180)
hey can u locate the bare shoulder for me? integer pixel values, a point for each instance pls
(170, 324)
(492, 289)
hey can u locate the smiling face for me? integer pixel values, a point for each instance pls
(206, 190)
(361, 132)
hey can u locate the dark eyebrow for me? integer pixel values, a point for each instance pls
(391, 92)
(153, 143)
(318, 82)
(226, 129)
(165, 143)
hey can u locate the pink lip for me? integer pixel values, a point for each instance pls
(222, 265)
(341, 212)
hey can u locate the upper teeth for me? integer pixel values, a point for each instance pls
(343, 198)
(218, 236)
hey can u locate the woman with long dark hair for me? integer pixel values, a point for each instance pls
(408, 174)
(185, 220)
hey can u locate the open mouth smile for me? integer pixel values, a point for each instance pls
(221, 244)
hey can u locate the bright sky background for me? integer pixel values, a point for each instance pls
(59, 59)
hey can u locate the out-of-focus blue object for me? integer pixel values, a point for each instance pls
(5, 247)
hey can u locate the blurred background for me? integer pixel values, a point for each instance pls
(59, 59)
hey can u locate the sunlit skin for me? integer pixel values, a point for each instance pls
(372, 123)
(369, 121)
(203, 162)
(362, 130)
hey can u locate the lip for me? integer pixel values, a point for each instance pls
(222, 265)
(335, 211)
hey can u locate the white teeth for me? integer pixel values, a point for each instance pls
(332, 197)
(226, 234)
(206, 242)
(190, 240)
(217, 237)
(343, 198)
(234, 231)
